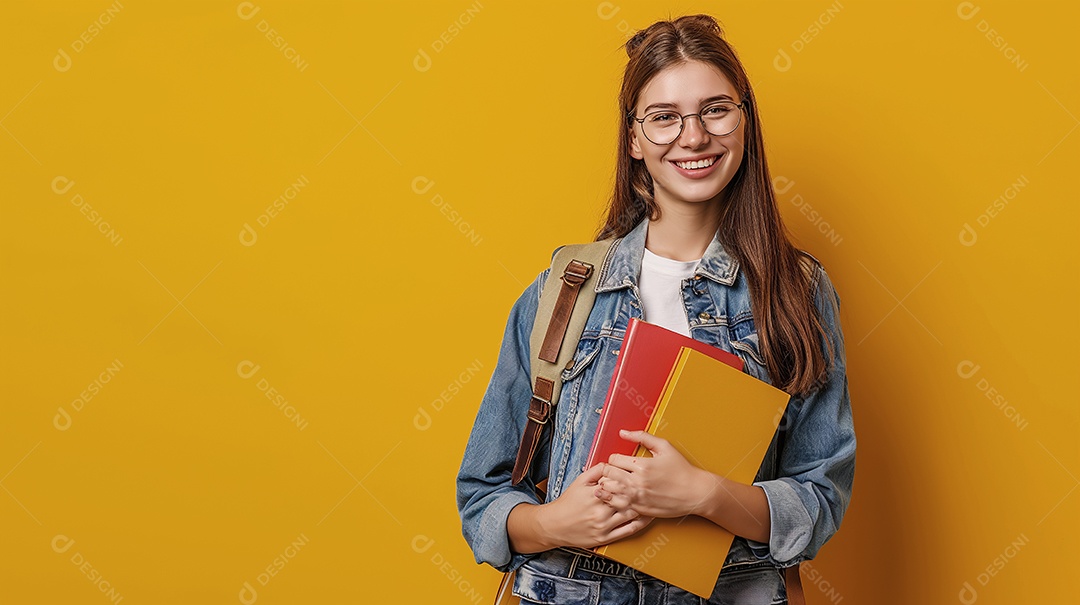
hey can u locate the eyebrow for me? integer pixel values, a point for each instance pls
(702, 102)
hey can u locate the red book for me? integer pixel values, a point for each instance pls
(647, 354)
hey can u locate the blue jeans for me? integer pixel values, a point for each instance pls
(566, 577)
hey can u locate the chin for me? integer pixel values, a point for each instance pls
(698, 196)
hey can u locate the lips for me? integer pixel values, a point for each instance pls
(709, 164)
(696, 163)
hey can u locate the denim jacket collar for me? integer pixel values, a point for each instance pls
(623, 263)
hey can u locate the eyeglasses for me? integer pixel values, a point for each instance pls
(664, 126)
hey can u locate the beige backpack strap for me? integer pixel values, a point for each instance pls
(560, 320)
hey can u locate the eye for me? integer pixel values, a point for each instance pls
(716, 110)
(662, 117)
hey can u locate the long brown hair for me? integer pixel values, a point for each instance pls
(790, 330)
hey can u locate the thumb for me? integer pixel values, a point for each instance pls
(592, 474)
(656, 445)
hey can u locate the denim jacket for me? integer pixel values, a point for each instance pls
(807, 480)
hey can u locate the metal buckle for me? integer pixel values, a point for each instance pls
(539, 410)
(578, 271)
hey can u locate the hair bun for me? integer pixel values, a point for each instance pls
(706, 24)
(635, 42)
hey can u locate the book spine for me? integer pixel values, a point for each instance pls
(627, 339)
(665, 396)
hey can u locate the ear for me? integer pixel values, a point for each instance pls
(635, 145)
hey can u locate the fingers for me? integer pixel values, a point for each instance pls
(613, 485)
(616, 470)
(620, 466)
(624, 516)
(616, 519)
(628, 529)
(619, 502)
(593, 474)
(652, 442)
(614, 488)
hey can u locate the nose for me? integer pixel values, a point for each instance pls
(693, 133)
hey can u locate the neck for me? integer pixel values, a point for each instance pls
(684, 229)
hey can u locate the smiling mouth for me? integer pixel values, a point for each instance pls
(697, 164)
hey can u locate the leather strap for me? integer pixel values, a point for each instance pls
(539, 412)
(560, 320)
(505, 594)
(575, 274)
(793, 582)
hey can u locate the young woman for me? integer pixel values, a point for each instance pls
(701, 250)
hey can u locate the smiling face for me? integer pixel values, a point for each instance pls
(687, 88)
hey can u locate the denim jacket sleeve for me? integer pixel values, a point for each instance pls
(812, 488)
(485, 495)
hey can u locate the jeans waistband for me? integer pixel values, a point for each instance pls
(588, 561)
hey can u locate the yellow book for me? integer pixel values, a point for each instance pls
(721, 420)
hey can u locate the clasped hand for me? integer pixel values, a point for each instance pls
(664, 485)
(613, 500)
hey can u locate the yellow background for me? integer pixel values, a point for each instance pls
(374, 301)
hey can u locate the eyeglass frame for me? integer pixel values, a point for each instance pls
(682, 120)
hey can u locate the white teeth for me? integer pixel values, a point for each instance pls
(697, 163)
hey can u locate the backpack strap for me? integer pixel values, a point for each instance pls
(560, 320)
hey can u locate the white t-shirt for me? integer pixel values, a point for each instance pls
(661, 291)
